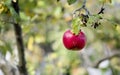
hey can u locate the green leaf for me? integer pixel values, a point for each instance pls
(71, 1)
(92, 19)
(8, 3)
(76, 25)
(3, 50)
(6, 46)
(9, 48)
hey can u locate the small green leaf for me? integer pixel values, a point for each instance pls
(8, 46)
(76, 25)
(3, 50)
(71, 1)
(93, 19)
(5, 47)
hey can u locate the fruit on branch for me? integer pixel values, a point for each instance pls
(74, 42)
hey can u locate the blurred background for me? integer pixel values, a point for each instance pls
(44, 22)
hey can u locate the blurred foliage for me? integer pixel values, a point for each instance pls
(44, 22)
(71, 1)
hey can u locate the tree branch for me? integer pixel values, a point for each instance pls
(101, 11)
(82, 7)
(19, 40)
(106, 58)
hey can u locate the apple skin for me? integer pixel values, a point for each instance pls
(74, 42)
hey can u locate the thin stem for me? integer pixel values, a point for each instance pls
(101, 11)
(106, 58)
(82, 7)
(19, 40)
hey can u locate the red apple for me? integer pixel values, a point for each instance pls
(74, 42)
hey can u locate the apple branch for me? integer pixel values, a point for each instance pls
(107, 58)
(19, 40)
(86, 10)
(101, 11)
(82, 7)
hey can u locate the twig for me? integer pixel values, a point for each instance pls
(82, 7)
(58, 0)
(101, 11)
(107, 58)
(19, 39)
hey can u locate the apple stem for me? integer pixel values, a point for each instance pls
(76, 25)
